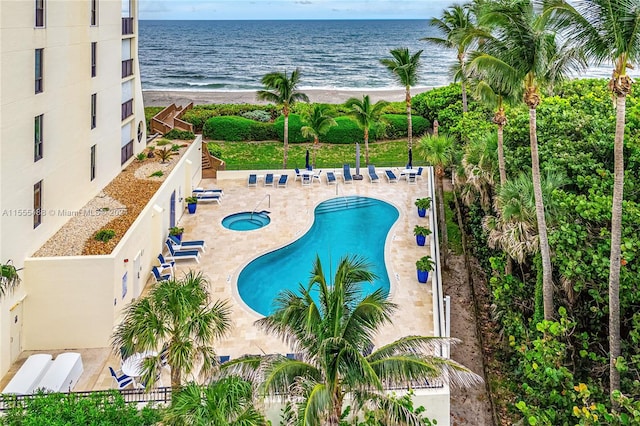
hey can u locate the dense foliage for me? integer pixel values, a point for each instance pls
(179, 134)
(234, 128)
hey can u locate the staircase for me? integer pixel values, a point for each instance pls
(343, 203)
(210, 164)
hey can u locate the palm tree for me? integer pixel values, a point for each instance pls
(404, 68)
(365, 115)
(524, 53)
(437, 151)
(281, 89)
(457, 27)
(318, 123)
(176, 318)
(331, 326)
(608, 31)
(479, 164)
(225, 402)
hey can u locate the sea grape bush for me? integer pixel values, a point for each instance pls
(257, 115)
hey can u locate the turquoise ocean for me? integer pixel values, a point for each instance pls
(339, 54)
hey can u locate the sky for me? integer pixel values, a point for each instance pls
(290, 9)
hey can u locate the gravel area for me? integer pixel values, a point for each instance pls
(116, 208)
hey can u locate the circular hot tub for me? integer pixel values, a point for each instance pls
(246, 221)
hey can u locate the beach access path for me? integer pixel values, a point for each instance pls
(202, 97)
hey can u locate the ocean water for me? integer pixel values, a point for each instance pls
(235, 55)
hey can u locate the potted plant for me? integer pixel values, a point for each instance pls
(424, 265)
(192, 202)
(421, 234)
(423, 204)
(176, 231)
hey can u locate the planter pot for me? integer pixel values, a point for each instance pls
(192, 207)
(422, 212)
(423, 276)
(421, 239)
(177, 237)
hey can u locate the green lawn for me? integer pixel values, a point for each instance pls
(268, 155)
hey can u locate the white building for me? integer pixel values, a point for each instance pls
(71, 118)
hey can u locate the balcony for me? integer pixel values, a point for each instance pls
(127, 68)
(127, 26)
(127, 109)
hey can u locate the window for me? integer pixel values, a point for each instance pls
(127, 26)
(127, 109)
(37, 138)
(37, 204)
(94, 12)
(94, 58)
(94, 106)
(127, 68)
(39, 55)
(140, 131)
(126, 152)
(93, 162)
(39, 13)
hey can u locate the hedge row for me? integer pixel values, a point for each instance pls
(233, 128)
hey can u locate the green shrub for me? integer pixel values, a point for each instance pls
(257, 115)
(295, 124)
(347, 131)
(214, 149)
(105, 235)
(180, 134)
(428, 104)
(157, 173)
(141, 157)
(397, 125)
(162, 142)
(199, 114)
(234, 129)
(175, 147)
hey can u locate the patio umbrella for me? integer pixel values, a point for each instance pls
(306, 160)
(409, 164)
(357, 159)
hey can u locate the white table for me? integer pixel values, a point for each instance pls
(132, 366)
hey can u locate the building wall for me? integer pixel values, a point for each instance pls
(65, 103)
(74, 302)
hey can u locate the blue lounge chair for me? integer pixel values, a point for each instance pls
(268, 179)
(253, 180)
(182, 254)
(391, 177)
(164, 264)
(331, 178)
(122, 380)
(159, 277)
(419, 174)
(223, 358)
(208, 191)
(282, 182)
(207, 196)
(346, 174)
(372, 174)
(187, 245)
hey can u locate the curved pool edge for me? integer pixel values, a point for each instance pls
(393, 282)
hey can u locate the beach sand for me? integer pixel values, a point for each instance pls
(179, 97)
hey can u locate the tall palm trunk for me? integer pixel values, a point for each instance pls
(316, 142)
(285, 112)
(409, 125)
(175, 378)
(545, 253)
(442, 221)
(463, 83)
(621, 87)
(366, 146)
(500, 119)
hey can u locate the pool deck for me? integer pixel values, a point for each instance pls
(291, 215)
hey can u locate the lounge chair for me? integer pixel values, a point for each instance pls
(419, 174)
(164, 264)
(207, 196)
(223, 358)
(122, 380)
(208, 191)
(346, 174)
(182, 254)
(282, 182)
(188, 245)
(298, 175)
(391, 177)
(268, 179)
(331, 178)
(372, 174)
(253, 180)
(159, 277)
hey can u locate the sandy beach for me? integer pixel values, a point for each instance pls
(179, 97)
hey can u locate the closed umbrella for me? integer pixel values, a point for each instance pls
(306, 161)
(409, 164)
(357, 159)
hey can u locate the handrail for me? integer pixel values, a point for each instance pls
(261, 200)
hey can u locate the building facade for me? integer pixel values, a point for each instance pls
(71, 118)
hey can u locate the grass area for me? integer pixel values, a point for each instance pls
(453, 231)
(268, 155)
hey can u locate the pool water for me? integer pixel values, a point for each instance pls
(246, 221)
(342, 226)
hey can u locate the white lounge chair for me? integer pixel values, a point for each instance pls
(391, 177)
(187, 245)
(373, 177)
(182, 254)
(282, 182)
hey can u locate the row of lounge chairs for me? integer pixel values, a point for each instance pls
(307, 177)
(178, 250)
(269, 180)
(208, 194)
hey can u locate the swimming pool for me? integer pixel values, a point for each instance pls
(342, 226)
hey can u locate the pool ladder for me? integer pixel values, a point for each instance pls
(268, 196)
